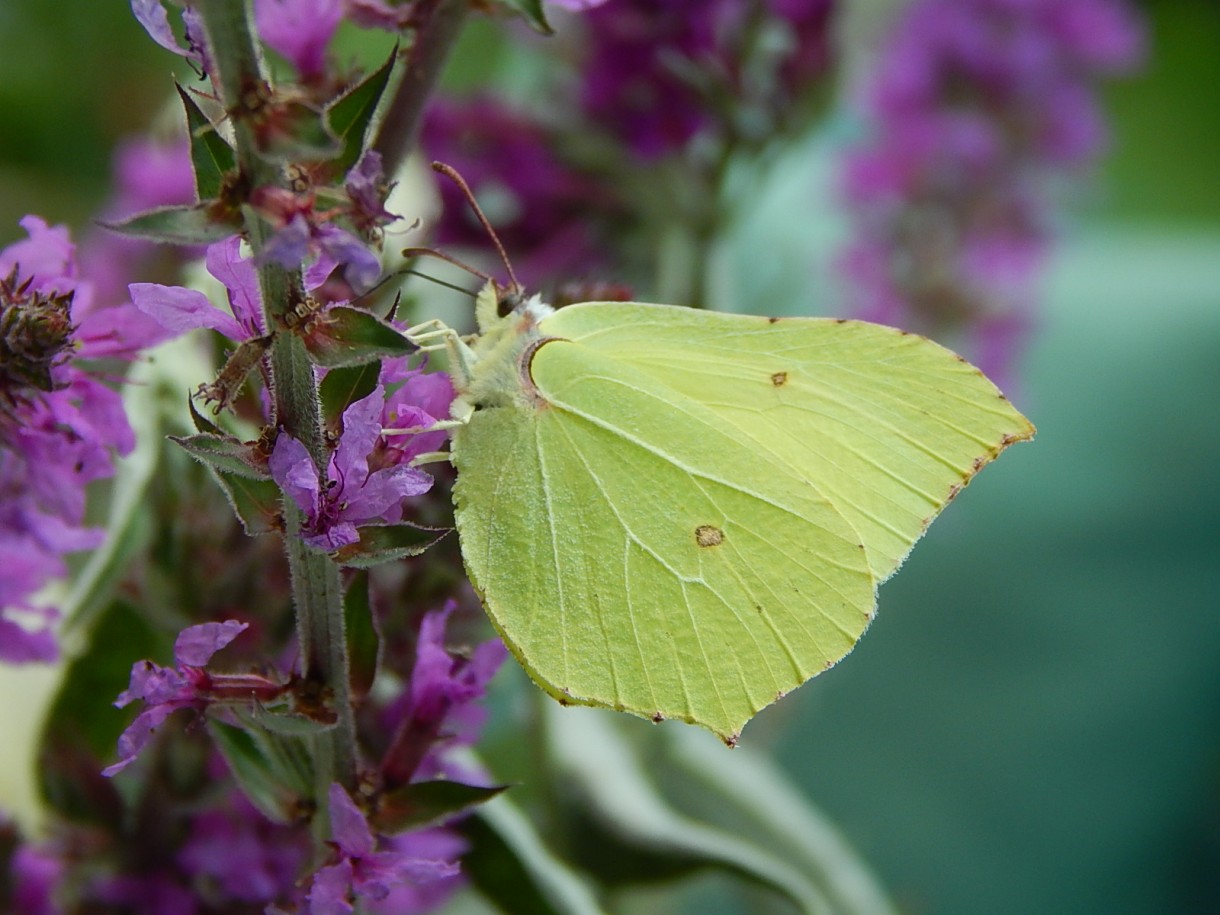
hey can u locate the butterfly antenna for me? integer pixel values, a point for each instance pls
(448, 258)
(452, 174)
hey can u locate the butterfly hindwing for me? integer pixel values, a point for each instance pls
(684, 573)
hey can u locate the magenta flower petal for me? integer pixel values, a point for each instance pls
(361, 429)
(195, 645)
(180, 310)
(46, 257)
(237, 273)
(19, 645)
(300, 30)
(347, 824)
(362, 268)
(152, 15)
(293, 469)
(137, 736)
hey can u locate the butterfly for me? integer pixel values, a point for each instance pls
(686, 514)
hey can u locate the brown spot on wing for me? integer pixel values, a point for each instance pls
(707, 535)
(779, 379)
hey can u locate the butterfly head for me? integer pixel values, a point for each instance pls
(500, 309)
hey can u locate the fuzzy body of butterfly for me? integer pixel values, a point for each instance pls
(686, 514)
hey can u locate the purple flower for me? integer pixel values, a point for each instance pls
(300, 30)
(244, 855)
(440, 707)
(980, 109)
(367, 189)
(380, 14)
(179, 309)
(152, 15)
(146, 175)
(303, 236)
(419, 401)
(35, 873)
(152, 893)
(576, 6)
(352, 493)
(539, 205)
(633, 84)
(59, 428)
(416, 896)
(164, 690)
(361, 872)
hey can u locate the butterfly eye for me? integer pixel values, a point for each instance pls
(508, 303)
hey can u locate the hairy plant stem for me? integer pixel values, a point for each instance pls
(438, 25)
(240, 76)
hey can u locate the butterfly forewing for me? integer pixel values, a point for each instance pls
(888, 426)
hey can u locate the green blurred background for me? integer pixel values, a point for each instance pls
(1033, 723)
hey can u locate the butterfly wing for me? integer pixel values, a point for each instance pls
(635, 553)
(684, 514)
(888, 425)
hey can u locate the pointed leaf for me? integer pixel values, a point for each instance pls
(256, 502)
(622, 806)
(363, 640)
(380, 543)
(508, 860)
(351, 114)
(211, 155)
(201, 422)
(82, 725)
(532, 12)
(290, 724)
(343, 386)
(289, 757)
(424, 803)
(259, 779)
(345, 336)
(176, 225)
(224, 452)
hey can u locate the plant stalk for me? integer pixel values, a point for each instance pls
(240, 76)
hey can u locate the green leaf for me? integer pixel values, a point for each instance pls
(532, 12)
(176, 225)
(201, 422)
(224, 452)
(256, 502)
(425, 803)
(343, 386)
(289, 724)
(363, 640)
(620, 805)
(264, 783)
(288, 757)
(352, 113)
(751, 795)
(345, 336)
(386, 543)
(301, 135)
(511, 866)
(82, 725)
(211, 156)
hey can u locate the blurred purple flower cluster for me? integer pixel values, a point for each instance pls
(60, 424)
(980, 109)
(681, 86)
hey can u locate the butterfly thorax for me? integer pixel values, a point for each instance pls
(495, 370)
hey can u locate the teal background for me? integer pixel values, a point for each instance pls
(1033, 722)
